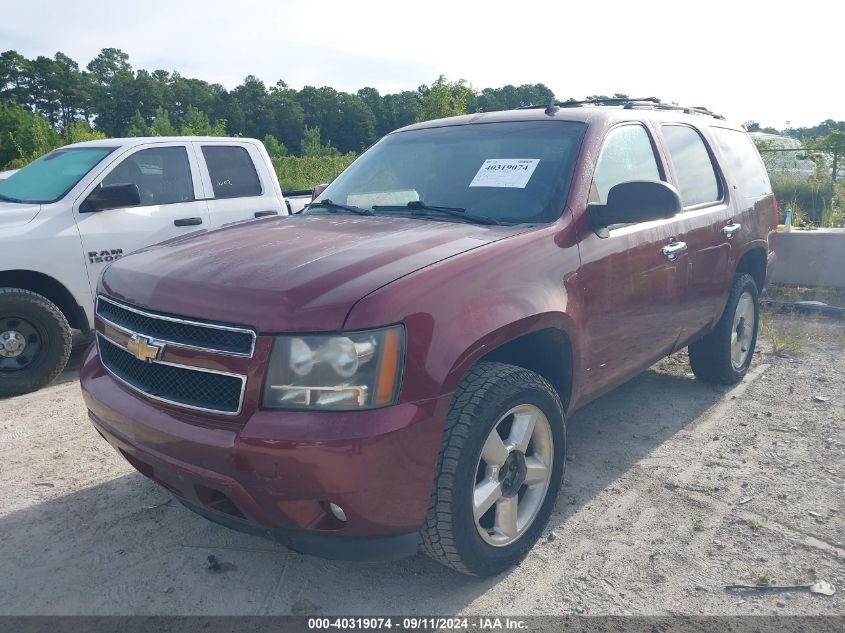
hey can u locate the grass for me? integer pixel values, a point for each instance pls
(764, 580)
(808, 574)
(793, 293)
(754, 525)
(698, 526)
(817, 202)
(783, 344)
(306, 172)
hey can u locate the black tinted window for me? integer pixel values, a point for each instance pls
(232, 172)
(744, 162)
(625, 156)
(163, 175)
(697, 179)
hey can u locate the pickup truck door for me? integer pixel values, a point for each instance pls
(238, 182)
(166, 176)
(632, 280)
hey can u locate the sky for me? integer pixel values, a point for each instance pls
(772, 62)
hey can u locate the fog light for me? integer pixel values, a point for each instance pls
(338, 512)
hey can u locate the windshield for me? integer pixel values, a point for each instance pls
(50, 177)
(512, 172)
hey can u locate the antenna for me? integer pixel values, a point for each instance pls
(552, 107)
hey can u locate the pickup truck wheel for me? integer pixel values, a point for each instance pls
(35, 341)
(724, 355)
(499, 470)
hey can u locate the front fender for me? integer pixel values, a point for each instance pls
(460, 309)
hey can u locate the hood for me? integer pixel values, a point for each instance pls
(298, 273)
(17, 213)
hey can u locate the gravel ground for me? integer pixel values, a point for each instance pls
(673, 490)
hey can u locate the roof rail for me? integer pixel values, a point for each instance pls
(629, 103)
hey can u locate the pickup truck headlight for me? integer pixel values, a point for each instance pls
(353, 370)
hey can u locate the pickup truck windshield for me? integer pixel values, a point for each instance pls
(50, 177)
(510, 172)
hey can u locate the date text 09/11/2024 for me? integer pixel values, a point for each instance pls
(417, 623)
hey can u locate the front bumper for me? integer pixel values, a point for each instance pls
(277, 473)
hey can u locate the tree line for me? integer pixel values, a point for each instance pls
(108, 97)
(49, 101)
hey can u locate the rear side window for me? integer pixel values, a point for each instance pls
(625, 156)
(232, 171)
(697, 180)
(744, 162)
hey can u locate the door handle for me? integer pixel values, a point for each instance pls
(730, 229)
(673, 249)
(187, 221)
(261, 214)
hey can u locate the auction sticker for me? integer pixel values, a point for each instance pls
(505, 172)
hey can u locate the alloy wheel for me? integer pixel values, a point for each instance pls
(513, 475)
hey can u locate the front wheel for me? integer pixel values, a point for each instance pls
(499, 470)
(724, 355)
(35, 341)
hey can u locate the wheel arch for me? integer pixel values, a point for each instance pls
(753, 262)
(51, 289)
(541, 344)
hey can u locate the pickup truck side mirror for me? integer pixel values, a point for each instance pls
(318, 190)
(111, 197)
(635, 201)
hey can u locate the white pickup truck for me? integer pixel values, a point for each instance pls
(66, 215)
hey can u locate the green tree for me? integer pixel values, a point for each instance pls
(376, 103)
(401, 109)
(80, 131)
(138, 126)
(312, 144)
(73, 88)
(444, 99)
(112, 91)
(288, 115)
(834, 142)
(14, 72)
(161, 125)
(509, 97)
(24, 136)
(196, 123)
(253, 101)
(273, 147)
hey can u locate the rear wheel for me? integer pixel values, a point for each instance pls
(724, 355)
(35, 341)
(499, 470)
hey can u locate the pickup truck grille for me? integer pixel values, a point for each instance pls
(215, 337)
(190, 387)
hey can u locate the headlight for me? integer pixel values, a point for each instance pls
(355, 370)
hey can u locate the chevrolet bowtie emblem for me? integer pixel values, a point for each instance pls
(144, 349)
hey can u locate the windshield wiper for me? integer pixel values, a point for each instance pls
(329, 206)
(418, 206)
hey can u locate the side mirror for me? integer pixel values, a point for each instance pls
(111, 197)
(318, 190)
(635, 201)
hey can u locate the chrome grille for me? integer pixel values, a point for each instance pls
(190, 387)
(216, 337)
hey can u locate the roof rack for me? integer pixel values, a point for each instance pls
(627, 103)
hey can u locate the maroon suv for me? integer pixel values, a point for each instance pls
(395, 364)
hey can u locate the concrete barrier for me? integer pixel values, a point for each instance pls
(810, 258)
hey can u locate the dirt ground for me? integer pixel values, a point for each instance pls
(673, 490)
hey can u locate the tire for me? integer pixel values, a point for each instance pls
(36, 321)
(714, 358)
(451, 534)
